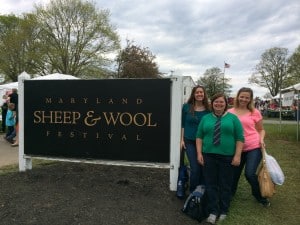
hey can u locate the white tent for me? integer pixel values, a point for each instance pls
(296, 89)
(55, 76)
(9, 86)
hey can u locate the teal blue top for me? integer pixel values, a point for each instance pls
(10, 119)
(231, 132)
(190, 122)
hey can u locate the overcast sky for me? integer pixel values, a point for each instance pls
(191, 36)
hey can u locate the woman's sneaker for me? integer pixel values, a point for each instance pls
(265, 202)
(222, 217)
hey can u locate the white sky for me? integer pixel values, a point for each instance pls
(191, 36)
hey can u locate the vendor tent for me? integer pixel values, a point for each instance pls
(296, 89)
(55, 76)
(9, 85)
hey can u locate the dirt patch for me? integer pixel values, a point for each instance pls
(74, 193)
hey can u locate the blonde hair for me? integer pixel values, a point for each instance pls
(250, 105)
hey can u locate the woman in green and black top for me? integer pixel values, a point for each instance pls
(192, 112)
(219, 142)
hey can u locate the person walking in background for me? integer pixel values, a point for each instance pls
(10, 122)
(16, 142)
(294, 108)
(254, 132)
(192, 112)
(14, 98)
(4, 108)
(219, 142)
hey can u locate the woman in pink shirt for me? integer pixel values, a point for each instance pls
(254, 133)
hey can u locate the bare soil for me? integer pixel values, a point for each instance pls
(87, 194)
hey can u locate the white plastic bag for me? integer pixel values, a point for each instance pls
(274, 169)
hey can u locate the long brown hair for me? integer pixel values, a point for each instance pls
(192, 100)
(250, 105)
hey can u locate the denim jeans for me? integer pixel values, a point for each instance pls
(250, 160)
(196, 170)
(218, 175)
(10, 130)
(12, 135)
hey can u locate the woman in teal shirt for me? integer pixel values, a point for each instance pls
(192, 112)
(219, 155)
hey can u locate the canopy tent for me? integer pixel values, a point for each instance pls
(55, 76)
(9, 85)
(296, 89)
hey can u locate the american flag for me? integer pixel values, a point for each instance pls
(226, 65)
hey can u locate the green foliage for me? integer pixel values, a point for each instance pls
(270, 72)
(18, 46)
(76, 37)
(64, 36)
(214, 82)
(136, 62)
(294, 67)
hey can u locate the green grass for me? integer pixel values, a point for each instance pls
(285, 204)
(35, 164)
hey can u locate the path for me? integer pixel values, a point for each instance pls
(8, 154)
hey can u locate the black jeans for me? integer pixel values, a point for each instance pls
(218, 175)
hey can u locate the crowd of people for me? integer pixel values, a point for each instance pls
(10, 123)
(221, 142)
(268, 107)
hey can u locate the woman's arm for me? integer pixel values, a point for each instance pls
(199, 151)
(238, 152)
(260, 129)
(182, 144)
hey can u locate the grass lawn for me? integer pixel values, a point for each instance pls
(285, 204)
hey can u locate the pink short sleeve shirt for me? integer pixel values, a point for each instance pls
(248, 120)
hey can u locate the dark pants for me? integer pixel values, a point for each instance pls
(10, 131)
(196, 170)
(218, 175)
(250, 160)
(3, 120)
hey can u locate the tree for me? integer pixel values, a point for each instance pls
(136, 62)
(271, 72)
(214, 82)
(76, 38)
(294, 67)
(18, 46)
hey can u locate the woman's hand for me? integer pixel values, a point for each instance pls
(200, 159)
(236, 160)
(262, 144)
(182, 145)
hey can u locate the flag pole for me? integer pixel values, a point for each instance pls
(226, 65)
(224, 78)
